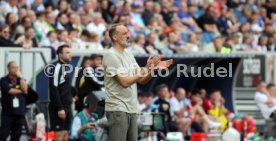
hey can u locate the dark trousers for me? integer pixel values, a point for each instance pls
(11, 125)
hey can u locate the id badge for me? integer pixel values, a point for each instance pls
(15, 102)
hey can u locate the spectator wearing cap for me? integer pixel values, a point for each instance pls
(93, 81)
(83, 125)
(136, 17)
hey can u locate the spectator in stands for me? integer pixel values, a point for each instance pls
(106, 42)
(207, 21)
(37, 6)
(218, 44)
(62, 7)
(166, 11)
(163, 46)
(262, 44)
(4, 37)
(150, 44)
(179, 107)
(248, 43)
(11, 22)
(83, 125)
(108, 10)
(26, 22)
(148, 13)
(50, 40)
(60, 112)
(191, 45)
(62, 22)
(74, 20)
(94, 42)
(185, 18)
(9, 6)
(13, 90)
(271, 43)
(63, 37)
(97, 25)
(93, 81)
(30, 37)
(138, 47)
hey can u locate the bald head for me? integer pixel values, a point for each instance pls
(180, 93)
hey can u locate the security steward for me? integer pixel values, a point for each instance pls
(14, 89)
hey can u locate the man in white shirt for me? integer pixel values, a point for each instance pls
(264, 101)
(180, 111)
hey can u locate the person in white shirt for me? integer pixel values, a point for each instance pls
(97, 25)
(264, 101)
(179, 109)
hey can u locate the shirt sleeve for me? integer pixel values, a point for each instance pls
(5, 86)
(112, 65)
(76, 125)
(260, 98)
(174, 106)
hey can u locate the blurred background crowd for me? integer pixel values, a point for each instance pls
(162, 27)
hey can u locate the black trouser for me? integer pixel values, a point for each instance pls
(11, 124)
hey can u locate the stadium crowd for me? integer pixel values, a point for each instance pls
(157, 27)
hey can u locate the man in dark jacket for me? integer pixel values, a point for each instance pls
(60, 95)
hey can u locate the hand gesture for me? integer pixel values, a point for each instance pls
(18, 73)
(153, 61)
(89, 126)
(164, 64)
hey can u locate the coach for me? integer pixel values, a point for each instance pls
(121, 75)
